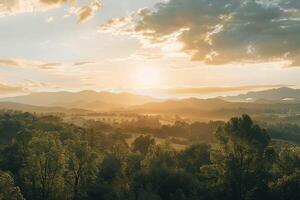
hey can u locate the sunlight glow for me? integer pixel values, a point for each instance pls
(147, 77)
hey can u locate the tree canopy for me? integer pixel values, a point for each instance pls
(44, 158)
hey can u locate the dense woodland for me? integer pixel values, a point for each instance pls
(44, 158)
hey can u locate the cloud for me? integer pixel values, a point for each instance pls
(217, 90)
(12, 7)
(85, 13)
(22, 63)
(83, 63)
(117, 24)
(224, 31)
(9, 89)
(9, 62)
(55, 2)
(33, 85)
(33, 64)
(49, 65)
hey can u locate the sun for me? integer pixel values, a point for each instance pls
(147, 77)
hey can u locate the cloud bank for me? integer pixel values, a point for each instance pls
(223, 31)
(12, 7)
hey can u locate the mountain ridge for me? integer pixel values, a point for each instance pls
(41, 109)
(282, 95)
(86, 97)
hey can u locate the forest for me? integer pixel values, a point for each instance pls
(44, 158)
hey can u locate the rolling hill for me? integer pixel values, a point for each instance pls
(85, 99)
(283, 95)
(216, 108)
(281, 101)
(40, 109)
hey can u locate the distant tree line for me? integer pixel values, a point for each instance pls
(44, 158)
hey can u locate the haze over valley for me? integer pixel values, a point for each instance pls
(149, 99)
(280, 102)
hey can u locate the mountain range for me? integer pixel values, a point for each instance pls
(40, 109)
(216, 109)
(280, 100)
(90, 100)
(283, 95)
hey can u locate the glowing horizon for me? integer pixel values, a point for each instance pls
(138, 46)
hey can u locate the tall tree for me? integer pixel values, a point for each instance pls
(81, 168)
(8, 190)
(245, 158)
(43, 167)
(142, 144)
(287, 169)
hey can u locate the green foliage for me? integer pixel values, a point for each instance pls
(194, 157)
(200, 131)
(286, 187)
(245, 158)
(142, 144)
(288, 160)
(288, 132)
(43, 167)
(49, 159)
(8, 190)
(82, 168)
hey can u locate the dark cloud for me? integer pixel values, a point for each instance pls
(227, 31)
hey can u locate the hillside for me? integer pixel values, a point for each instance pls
(40, 109)
(215, 108)
(283, 95)
(84, 99)
(275, 101)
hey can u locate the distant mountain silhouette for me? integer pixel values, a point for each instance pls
(280, 101)
(190, 103)
(84, 99)
(40, 109)
(215, 108)
(283, 95)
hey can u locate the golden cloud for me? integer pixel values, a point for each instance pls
(33, 64)
(56, 2)
(87, 12)
(220, 32)
(9, 89)
(13, 7)
(22, 63)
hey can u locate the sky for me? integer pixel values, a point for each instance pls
(154, 47)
